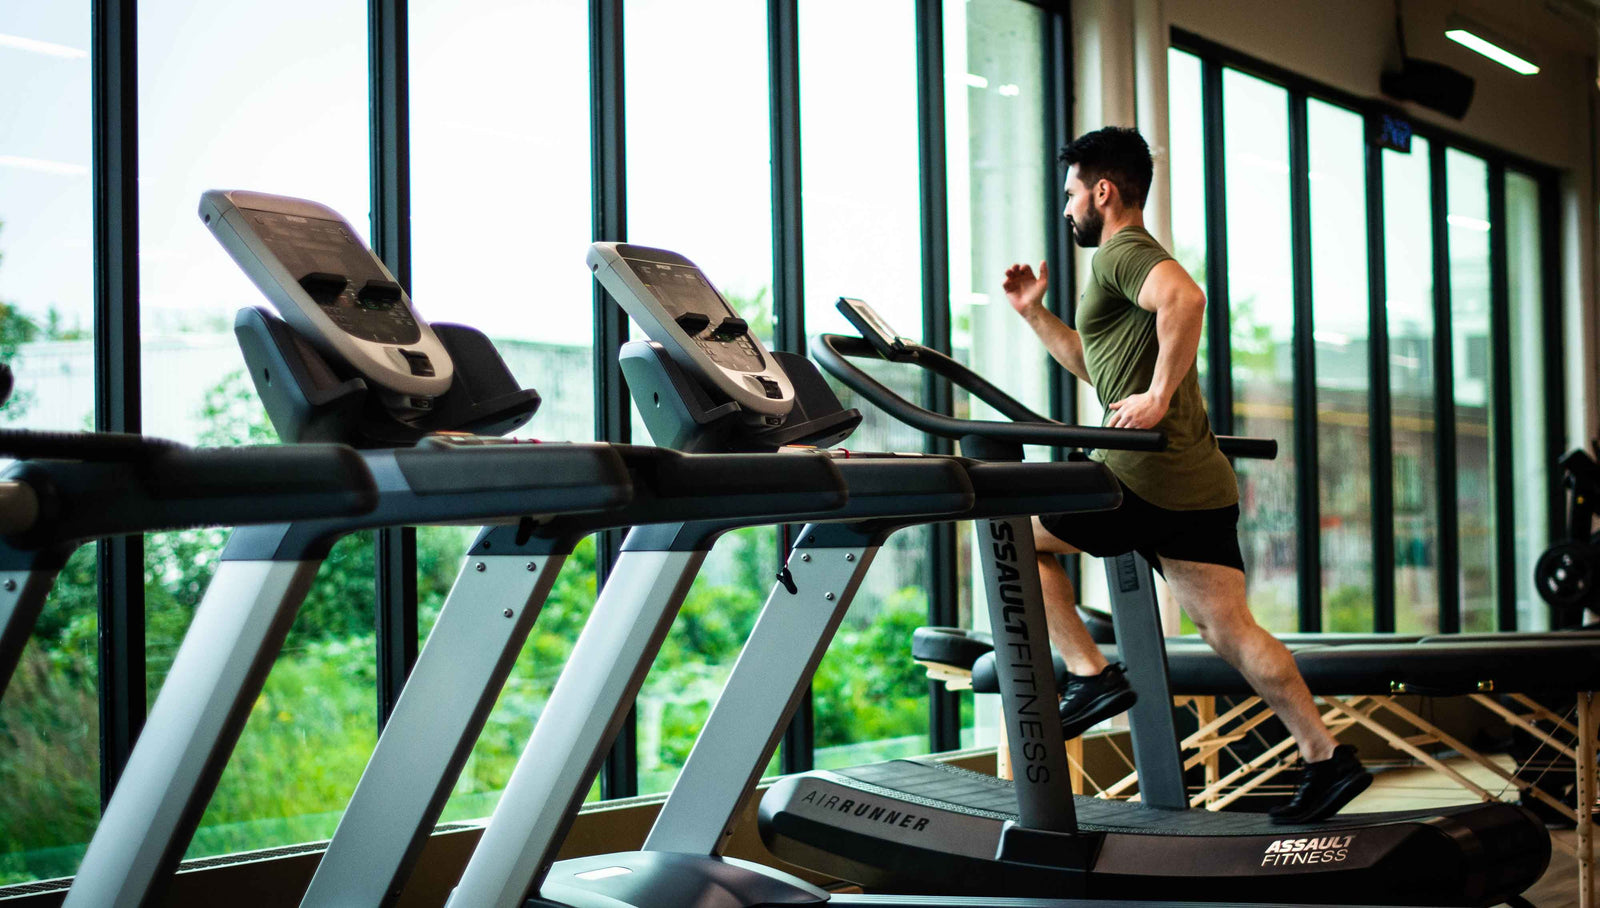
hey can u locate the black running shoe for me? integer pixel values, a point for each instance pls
(1089, 699)
(1325, 787)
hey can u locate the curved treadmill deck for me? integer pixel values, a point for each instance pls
(918, 826)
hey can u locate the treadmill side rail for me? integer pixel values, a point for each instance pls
(629, 621)
(203, 705)
(442, 709)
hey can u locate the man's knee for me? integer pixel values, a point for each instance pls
(1046, 542)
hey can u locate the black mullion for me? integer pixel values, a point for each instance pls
(783, 106)
(788, 271)
(1305, 386)
(1063, 385)
(114, 71)
(944, 706)
(1500, 452)
(394, 548)
(1219, 368)
(1444, 402)
(609, 215)
(1380, 424)
(1554, 324)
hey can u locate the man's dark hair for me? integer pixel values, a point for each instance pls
(1115, 153)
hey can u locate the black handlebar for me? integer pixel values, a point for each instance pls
(102, 447)
(1029, 428)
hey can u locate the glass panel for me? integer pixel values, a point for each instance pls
(1530, 460)
(1467, 194)
(209, 120)
(1000, 192)
(1339, 297)
(1408, 263)
(1187, 152)
(488, 189)
(49, 718)
(862, 239)
(1261, 334)
(685, 196)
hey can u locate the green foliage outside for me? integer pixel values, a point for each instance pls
(314, 725)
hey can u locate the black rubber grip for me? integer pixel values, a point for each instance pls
(115, 447)
(508, 468)
(1054, 487)
(833, 351)
(1252, 448)
(183, 487)
(710, 475)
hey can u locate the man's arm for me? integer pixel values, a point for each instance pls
(1180, 308)
(1025, 292)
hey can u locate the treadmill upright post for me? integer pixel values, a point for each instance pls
(1026, 676)
(1135, 616)
(607, 666)
(239, 625)
(441, 711)
(765, 686)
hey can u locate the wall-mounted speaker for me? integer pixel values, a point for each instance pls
(1433, 85)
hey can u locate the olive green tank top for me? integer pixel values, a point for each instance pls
(1120, 348)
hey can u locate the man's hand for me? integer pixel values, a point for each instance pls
(1023, 290)
(1138, 411)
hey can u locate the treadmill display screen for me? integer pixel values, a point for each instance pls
(313, 246)
(681, 290)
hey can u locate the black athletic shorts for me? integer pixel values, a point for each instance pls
(1209, 536)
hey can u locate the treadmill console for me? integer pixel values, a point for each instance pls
(332, 290)
(678, 308)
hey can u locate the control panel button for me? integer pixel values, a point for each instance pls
(693, 323)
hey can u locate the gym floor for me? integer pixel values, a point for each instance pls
(1408, 788)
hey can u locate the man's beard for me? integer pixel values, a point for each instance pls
(1087, 234)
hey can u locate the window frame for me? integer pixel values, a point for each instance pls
(1214, 59)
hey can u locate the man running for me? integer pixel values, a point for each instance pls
(1139, 323)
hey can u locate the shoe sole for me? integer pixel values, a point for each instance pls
(1331, 803)
(1100, 709)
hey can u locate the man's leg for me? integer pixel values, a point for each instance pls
(1214, 598)
(1067, 631)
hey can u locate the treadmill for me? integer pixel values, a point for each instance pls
(68, 488)
(962, 841)
(685, 381)
(351, 361)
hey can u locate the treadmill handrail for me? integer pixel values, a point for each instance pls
(92, 485)
(832, 350)
(1027, 427)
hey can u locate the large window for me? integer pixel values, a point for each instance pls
(1186, 162)
(699, 184)
(1002, 201)
(1467, 219)
(1529, 453)
(488, 189)
(49, 719)
(1341, 337)
(1408, 257)
(209, 120)
(1431, 431)
(863, 239)
(1261, 331)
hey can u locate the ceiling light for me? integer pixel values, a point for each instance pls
(977, 81)
(42, 47)
(1475, 37)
